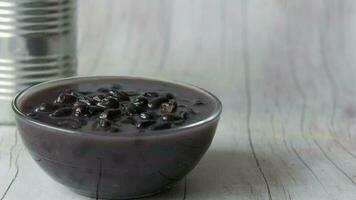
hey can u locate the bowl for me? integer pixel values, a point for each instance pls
(115, 166)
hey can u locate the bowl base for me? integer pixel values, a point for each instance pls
(113, 197)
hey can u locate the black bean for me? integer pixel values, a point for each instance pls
(113, 93)
(81, 110)
(137, 109)
(114, 112)
(140, 102)
(103, 115)
(162, 126)
(140, 109)
(98, 97)
(80, 103)
(46, 107)
(62, 112)
(145, 123)
(169, 107)
(66, 99)
(155, 103)
(151, 94)
(146, 115)
(169, 117)
(110, 114)
(86, 101)
(131, 110)
(108, 103)
(94, 110)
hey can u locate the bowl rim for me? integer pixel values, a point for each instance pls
(212, 117)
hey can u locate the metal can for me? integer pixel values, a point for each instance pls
(37, 44)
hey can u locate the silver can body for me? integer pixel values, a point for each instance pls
(37, 44)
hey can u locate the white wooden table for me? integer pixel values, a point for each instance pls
(284, 69)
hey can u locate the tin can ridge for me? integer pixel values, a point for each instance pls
(37, 44)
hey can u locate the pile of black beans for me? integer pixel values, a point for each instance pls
(112, 109)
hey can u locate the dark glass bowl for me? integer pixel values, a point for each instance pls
(115, 166)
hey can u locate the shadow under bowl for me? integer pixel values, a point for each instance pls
(115, 166)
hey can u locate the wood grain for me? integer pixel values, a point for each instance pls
(284, 70)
